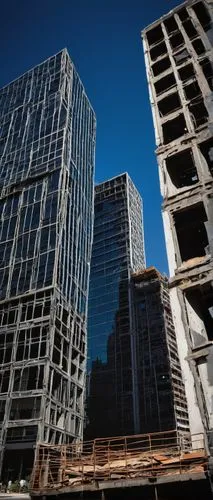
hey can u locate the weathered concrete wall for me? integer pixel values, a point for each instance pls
(195, 420)
(179, 63)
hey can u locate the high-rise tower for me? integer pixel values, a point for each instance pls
(118, 249)
(161, 393)
(47, 142)
(179, 61)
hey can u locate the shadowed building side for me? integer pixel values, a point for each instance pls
(118, 249)
(161, 392)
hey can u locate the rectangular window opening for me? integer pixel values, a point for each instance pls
(190, 29)
(176, 40)
(161, 66)
(191, 231)
(165, 84)
(186, 72)
(28, 379)
(183, 14)
(173, 129)
(170, 25)
(192, 90)
(158, 50)
(4, 381)
(56, 356)
(198, 46)
(169, 104)
(198, 112)
(181, 169)
(2, 409)
(181, 56)
(155, 35)
(19, 434)
(25, 408)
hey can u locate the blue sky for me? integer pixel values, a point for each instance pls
(103, 39)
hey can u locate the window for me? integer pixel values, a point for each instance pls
(154, 35)
(4, 381)
(28, 379)
(173, 129)
(19, 434)
(186, 72)
(181, 169)
(183, 14)
(198, 46)
(2, 409)
(161, 66)
(176, 40)
(25, 408)
(191, 231)
(169, 104)
(170, 25)
(6, 348)
(190, 29)
(181, 56)
(31, 343)
(158, 50)
(198, 112)
(192, 90)
(165, 83)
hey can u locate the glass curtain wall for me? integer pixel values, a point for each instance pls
(118, 232)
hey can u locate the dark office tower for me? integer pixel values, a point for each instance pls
(179, 60)
(161, 392)
(47, 141)
(118, 248)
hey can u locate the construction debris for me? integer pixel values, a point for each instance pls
(142, 456)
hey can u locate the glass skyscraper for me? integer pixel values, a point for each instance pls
(47, 142)
(161, 393)
(118, 249)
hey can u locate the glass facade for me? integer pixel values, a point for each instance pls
(118, 248)
(162, 402)
(47, 142)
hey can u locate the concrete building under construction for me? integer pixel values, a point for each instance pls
(179, 63)
(47, 141)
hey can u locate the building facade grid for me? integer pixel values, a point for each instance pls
(47, 142)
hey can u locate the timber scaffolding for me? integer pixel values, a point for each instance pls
(109, 462)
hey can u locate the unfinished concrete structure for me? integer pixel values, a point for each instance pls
(160, 390)
(47, 141)
(179, 62)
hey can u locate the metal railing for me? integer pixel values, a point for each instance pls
(145, 456)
